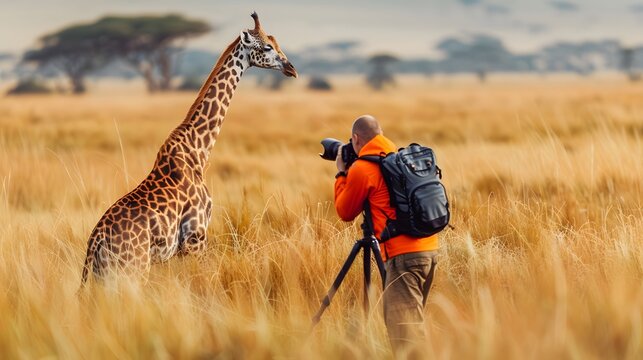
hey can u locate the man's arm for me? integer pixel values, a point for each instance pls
(350, 192)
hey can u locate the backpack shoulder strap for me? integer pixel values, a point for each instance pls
(371, 158)
(374, 158)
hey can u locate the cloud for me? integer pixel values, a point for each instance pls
(534, 28)
(530, 27)
(343, 45)
(497, 9)
(562, 5)
(469, 2)
(636, 8)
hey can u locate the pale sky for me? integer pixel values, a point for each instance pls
(409, 28)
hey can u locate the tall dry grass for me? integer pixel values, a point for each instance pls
(545, 261)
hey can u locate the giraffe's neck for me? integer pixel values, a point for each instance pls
(205, 118)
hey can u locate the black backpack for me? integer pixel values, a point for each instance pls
(419, 198)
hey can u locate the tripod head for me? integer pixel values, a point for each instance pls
(366, 229)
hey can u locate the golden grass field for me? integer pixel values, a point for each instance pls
(545, 261)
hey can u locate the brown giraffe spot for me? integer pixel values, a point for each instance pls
(200, 121)
(135, 211)
(213, 110)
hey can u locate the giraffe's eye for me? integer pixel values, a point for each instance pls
(268, 47)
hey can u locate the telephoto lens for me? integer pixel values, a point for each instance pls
(330, 148)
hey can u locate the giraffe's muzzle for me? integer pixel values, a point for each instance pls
(288, 69)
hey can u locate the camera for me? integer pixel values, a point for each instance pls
(331, 146)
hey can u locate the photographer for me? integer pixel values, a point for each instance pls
(410, 262)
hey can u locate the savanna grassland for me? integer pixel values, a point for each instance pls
(545, 260)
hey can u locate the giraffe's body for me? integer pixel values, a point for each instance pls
(169, 211)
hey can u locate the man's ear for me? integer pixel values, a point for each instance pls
(245, 38)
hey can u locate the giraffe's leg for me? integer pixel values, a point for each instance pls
(193, 243)
(192, 239)
(194, 225)
(193, 229)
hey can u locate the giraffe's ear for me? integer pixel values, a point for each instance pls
(245, 38)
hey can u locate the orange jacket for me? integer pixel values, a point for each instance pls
(364, 180)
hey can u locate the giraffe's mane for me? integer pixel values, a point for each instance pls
(213, 74)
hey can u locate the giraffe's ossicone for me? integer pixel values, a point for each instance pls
(169, 211)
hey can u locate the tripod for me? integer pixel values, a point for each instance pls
(369, 244)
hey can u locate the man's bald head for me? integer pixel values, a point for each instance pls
(366, 127)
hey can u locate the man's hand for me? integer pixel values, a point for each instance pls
(341, 165)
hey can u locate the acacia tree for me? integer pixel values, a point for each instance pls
(76, 51)
(380, 74)
(150, 43)
(478, 52)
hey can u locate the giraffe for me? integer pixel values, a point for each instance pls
(169, 211)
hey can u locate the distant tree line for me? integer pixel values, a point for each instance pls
(482, 55)
(148, 44)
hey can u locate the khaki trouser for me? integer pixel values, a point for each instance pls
(408, 281)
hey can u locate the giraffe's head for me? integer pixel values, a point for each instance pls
(263, 50)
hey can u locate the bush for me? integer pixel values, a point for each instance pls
(29, 86)
(319, 83)
(191, 83)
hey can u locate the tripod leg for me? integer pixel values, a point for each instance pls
(367, 275)
(337, 282)
(378, 259)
